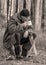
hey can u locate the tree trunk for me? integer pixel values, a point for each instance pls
(13, 7)
(40, 14)
(20, 5)
(33, 6)
(16, 6)
(37, 21)
(5, 7)
(0, 6)
(45, 14)
(28, 5)
(10, 9)
(24, 4)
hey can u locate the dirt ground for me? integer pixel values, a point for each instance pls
(40, 59)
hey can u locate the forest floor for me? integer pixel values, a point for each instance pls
(40, 59)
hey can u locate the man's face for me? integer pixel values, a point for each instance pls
(24, 18)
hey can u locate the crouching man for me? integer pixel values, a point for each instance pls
(17, 33)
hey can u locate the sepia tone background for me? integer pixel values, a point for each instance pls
(37, 9)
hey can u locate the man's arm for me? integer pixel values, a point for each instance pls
(14, 26)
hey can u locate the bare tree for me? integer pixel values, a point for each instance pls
(20, 5)
(38, 14)
(45, 14)
(33, 6)
(24, 4)
(0, 6)
(13, 7)
(28, 5)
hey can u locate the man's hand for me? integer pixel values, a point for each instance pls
(24, 24)
(27, 24)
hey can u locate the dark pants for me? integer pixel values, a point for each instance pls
(16, 39)
(25, 42)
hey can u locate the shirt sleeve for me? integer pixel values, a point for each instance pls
(12, 26)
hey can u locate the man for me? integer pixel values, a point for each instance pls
(17, 33)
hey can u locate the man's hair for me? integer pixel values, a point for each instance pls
(24, 13)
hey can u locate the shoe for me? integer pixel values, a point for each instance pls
(19, 57)
(10, 58)
(27, 58)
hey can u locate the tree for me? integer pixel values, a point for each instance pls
(24, 4)
(33, 6)
(20, 5)
(38, 15)
(28, 5)
(13, 10)
(0, 6)
(45, 14)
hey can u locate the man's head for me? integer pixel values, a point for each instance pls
(24, 14)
